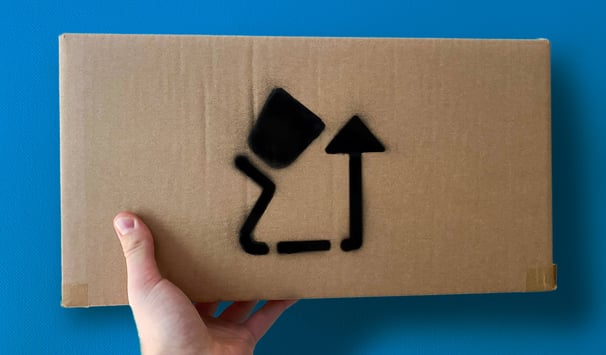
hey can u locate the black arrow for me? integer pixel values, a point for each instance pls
(354, 139)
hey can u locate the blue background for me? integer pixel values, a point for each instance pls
(570, 320)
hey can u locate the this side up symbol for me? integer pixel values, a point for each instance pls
(283, 130)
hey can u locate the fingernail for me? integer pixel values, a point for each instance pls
(125, 224)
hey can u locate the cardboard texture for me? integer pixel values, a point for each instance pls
(232, 149)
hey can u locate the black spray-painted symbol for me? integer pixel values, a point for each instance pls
(283, 130)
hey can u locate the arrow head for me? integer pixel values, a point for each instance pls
(354, 137)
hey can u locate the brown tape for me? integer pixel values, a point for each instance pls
(541, 279)
(74, 295)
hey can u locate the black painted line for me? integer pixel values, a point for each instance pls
(247, 241)
(302, 246)
(355, 204)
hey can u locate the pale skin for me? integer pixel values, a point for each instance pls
(168, 322)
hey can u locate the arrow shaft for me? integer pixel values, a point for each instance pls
(355, 200)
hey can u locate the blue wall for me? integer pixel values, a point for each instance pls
(570, 320)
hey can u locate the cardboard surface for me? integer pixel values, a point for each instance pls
(459, 201)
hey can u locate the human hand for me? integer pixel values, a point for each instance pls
(167, 321)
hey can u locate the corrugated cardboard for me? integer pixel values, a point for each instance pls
(459, 201)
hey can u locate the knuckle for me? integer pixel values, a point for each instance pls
(133, 246)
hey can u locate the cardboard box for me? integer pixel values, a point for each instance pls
(253, 158)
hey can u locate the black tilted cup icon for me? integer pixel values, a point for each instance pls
(283, 129)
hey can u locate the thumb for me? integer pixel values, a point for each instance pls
(138, 246)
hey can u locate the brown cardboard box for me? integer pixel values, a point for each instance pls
(443, 184)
